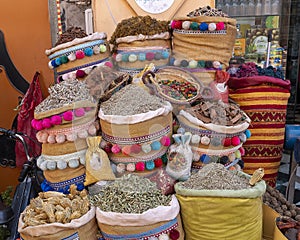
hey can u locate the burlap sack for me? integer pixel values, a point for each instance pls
(97, 162)
(154, 222)
(205, 46)
(83, 228)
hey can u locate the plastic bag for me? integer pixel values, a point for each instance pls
(180, 157)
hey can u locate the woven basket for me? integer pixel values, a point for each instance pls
(264, 99)
(132, 56)
(207, 46)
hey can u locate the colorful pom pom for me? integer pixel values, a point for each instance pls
(108, 64)
(150, 56)
(53, 63)
(115, 149)
(150, 165)
(79, 54)
(46, 123)
(235, 141)
(156, 145)
(83, 134)
(158, 162)
(51, 138)
(194, 26)
(39, 125)
(136, 148)
(231, 157)
(216, 64)
(226, 142)
(71, 136)
(205, 158)
(174, 234)
(193, 64)
(68, 115)
(184, 63)
(201, 63)
(205, 140)
(72, 57)
(165, 54)
(212, 27)
(125, 57)
(118, 57)
(132, 58)
(55, 120)
(121, 168)
(165, 141)
(220, 26)
(60, 138)
(146, 148)
(96, 50)
(177, 62)
(157, 56)
(176, 24)
(88, 52)
(142, 57)
(195, 139)
(242, 151)
(80, 73)
(243, 137)
(248, 133)
(238, 154)
(140, 166)
(103, 48)
(126, 150)
(203, 26)
(64, 59)
(130, 167)
(92, 130)
(180, 130)
(186, 25)
(79, 112)
(208, 64)
(107, 148)
(57, 61)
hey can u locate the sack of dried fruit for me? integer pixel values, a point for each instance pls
(203, 41)
(136, 129)
(133, 208)
(75, 53)
(140, 40)
(218, 130)
(218, 203)
(54, 215)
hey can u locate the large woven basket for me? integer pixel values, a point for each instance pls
(264, 99)
(198, 45)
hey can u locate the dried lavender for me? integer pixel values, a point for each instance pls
(131, 100)
(129, 194)
(215, 176)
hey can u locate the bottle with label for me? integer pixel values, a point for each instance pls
(258, 8)
(266, 7)
(250, 10)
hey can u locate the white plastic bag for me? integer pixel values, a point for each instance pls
(180, 157)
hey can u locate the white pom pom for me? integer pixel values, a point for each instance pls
(195, 139)
(164, 236)
(83, 134)
(71, 137)
(61, 164)
(39, 161)
(92, 130)
(51, 138)
(73, 163)
(72, 57)
(186, 25)
(118, 57)
(82, 161)
(51, 165)
(212, 27)
(60, 138)
(43, 166)
(50, 65)
(96, 50)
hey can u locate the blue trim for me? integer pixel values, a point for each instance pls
(153, 232)
(74, 236)
(75, 48)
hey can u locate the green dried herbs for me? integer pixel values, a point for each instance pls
(139, 25)
(129, 194)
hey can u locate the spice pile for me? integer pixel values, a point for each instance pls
(207, 11)
(215, 176)
(70, 34)
(129, 194)
(220, 113)
(139, 25)
(131, 100)
(64, 93)
(56, 207)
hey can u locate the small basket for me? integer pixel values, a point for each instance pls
(159, 80)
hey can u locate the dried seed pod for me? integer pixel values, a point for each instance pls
(257, 176)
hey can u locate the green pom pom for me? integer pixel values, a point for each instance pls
(194, 26)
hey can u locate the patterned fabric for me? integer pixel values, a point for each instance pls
(266, 105)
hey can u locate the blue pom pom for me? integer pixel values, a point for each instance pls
(88, 52)
(156, 145)
(181, 130)
(80, 186)
(164, 158)
(150, 165)
(58, 61)
(203, 26)
(171, 62)
(125, 57)
(157, 56)
(53, 63)
(248, 133)
(142, 57)
(205, 159)
(165, 54)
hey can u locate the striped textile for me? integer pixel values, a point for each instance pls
(265, 104)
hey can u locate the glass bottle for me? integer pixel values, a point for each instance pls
(258, 8)
(275, 7)
(227, 7)
(250, 10)
(234, 7)
(220, 4)
(266, 7)
(243, 7)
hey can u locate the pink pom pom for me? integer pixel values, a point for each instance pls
(46, 122)
(79, 54)
(60, 138)
(39, 125)
(136, 148)
(226, 142)
(51, 139)
(242, 151)
(56, 120)
(68, 115)
(71, 137)
(33, 123)
(126, 150)
(176, 24)
(140, 166)
(108, 64)
(79, 112)
(92, 130)
(220, 26)
(80, 73)
(165, 141)
(115, 149)
(150, 56)
(235, 141)
(87, 109)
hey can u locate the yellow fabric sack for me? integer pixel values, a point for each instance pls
(97, 163)
(221, 214)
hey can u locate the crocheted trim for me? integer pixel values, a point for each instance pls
(192, 27)
(141, 37)
(136, 140)
(72, 160)
(216, 152)
(198, 32)
(64, 186)
(157, 233)
(68, 134)
(196, 64)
